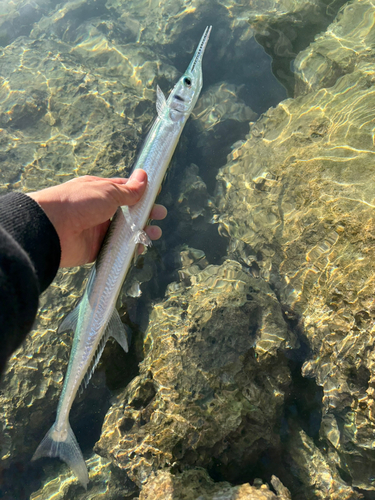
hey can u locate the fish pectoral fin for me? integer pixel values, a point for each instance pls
(161, 101)
(70, 321)
(138, 235)
(117, 330)
(142, 238)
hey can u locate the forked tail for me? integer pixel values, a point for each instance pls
(63, 444)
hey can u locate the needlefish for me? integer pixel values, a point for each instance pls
(95, 319)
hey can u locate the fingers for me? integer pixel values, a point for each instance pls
(131, 191)
(133, 188)
(153, 232)
(158, 212)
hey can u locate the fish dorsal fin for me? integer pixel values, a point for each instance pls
(115, 329)
(70, 321)
(91, 278)
(161, 101)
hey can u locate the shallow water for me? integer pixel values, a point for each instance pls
(252, 340)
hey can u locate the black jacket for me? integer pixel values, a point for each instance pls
(29, 259)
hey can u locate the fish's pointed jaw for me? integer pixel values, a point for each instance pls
(196, 62)
(186, 92)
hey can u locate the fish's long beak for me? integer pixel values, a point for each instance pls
(196, 62)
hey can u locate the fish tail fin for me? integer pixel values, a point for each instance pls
(63, 444)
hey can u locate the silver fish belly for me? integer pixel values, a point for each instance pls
(95, 318)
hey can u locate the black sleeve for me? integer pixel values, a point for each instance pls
(29, 259)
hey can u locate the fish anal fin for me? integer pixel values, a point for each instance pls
(140, 238)
(117, 330)
(161, 101)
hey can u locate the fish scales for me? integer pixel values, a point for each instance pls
(95, 318)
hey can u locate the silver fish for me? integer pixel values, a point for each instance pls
(95, 318)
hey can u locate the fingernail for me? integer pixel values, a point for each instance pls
(139, 175)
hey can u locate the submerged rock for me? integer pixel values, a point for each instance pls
(284, 28)
(316, 470)
(212, 382)
(82, 113)
(104, 483)
(18, 17)
(196, 484)
(346, 47)
(298, 198)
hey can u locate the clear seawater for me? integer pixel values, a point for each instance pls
(77, 97)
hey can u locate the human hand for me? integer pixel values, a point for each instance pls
(80, 210)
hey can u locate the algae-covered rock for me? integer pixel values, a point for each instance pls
(212, 383)
(317, 471)
(195, 484)
(297, 201)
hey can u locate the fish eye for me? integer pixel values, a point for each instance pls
(187, 81)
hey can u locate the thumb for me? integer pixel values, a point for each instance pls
(132, 191)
